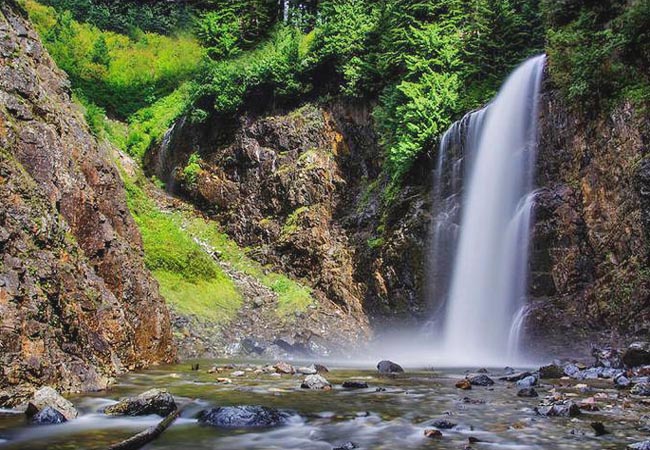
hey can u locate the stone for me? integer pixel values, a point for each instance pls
(508, 371)
(550, 371)
(388, 367)
(153, 401)
(481, 380)
(285, 368)
(48, 416)
(568, 409)
(443, 424)
(622, 382)
(48, 397)
(642, 389)
(527, 392)
(347, 446)
(607, 357)
(315, 382)
(464, 384)
(238, 373)
(513, 377)
(571, 370)
(643, 445)
(321, 368)
(352, 384)
(432, 434)
(307, 370)
(527, 382)
(243, 417)
(637, 354)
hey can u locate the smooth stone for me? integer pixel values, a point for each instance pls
(153, 401)
(307, 370)
(46, 396)
(315, 382)
(527, 382)
(48, 416)
(351, 384)
(243, 417)
(389, 367)
(481, 380)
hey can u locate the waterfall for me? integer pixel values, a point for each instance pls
(483, 295)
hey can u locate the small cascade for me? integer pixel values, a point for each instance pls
(484, 197)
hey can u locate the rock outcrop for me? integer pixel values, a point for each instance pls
(77, 305)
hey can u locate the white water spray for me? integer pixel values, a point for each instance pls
(489, 278)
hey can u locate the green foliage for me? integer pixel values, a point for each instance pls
(192, 169)
(599, 52)
(118, 73)
(220, 32)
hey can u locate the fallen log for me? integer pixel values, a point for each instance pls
(144, 437)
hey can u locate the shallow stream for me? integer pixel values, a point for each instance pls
(394, 418)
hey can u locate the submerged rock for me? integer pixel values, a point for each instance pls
(352, 384)
(347, 446)
(153, 401)
(481, 380)
(48, 416)
(243, 417)
(527, 392)
(637, 354)
(315, 382)
(47, 397)
(443, 424)
(389, 367)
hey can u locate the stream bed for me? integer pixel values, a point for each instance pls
(392, 413)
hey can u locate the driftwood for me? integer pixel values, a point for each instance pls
(144, 437)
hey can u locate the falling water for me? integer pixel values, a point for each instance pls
(488, 282)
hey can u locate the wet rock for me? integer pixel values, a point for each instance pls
(387, 367)
(607, 357)
(508, 371)
(238, 373)
(432, 434)
(568, 409)
(513, 377)
(48, 416)
(527, 392)
(637, 354)
(527, 382)
(307, 370)
(622, 382)
(315, 382)
(481, 380)
(347, 446)
(571, 370)
(642, 389)
(644, 445)
(153, 401)
(47, 397)
(320, 368)
(251, 346)
(243, 417)
(599, 428)
(285, 368)
(443, 424)
(551, 371)
(592, 373)
(352, 384)
(464, 384)
(482, 370)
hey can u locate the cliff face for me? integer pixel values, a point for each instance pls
(591, 246)
(76, 303)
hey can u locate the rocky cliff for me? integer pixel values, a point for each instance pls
(591, 278)
(77, 305)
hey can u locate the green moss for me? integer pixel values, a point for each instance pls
(376, 242)
(192, 169)
(291, 224)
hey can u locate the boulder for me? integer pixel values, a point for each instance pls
(315, 382)
(481, 380)
(607, 357)
(243, 417)
(464, 384)
(571, 370)
(48, 397)
(48, 416)
(622, 381)
(153, 401)
(285, 368)
(387, 367)
(320, 368)
(307, 370)
(637, 354)
(568, 409)
(551, 371)
(515, 376)
(527, 382)
(527, 392)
